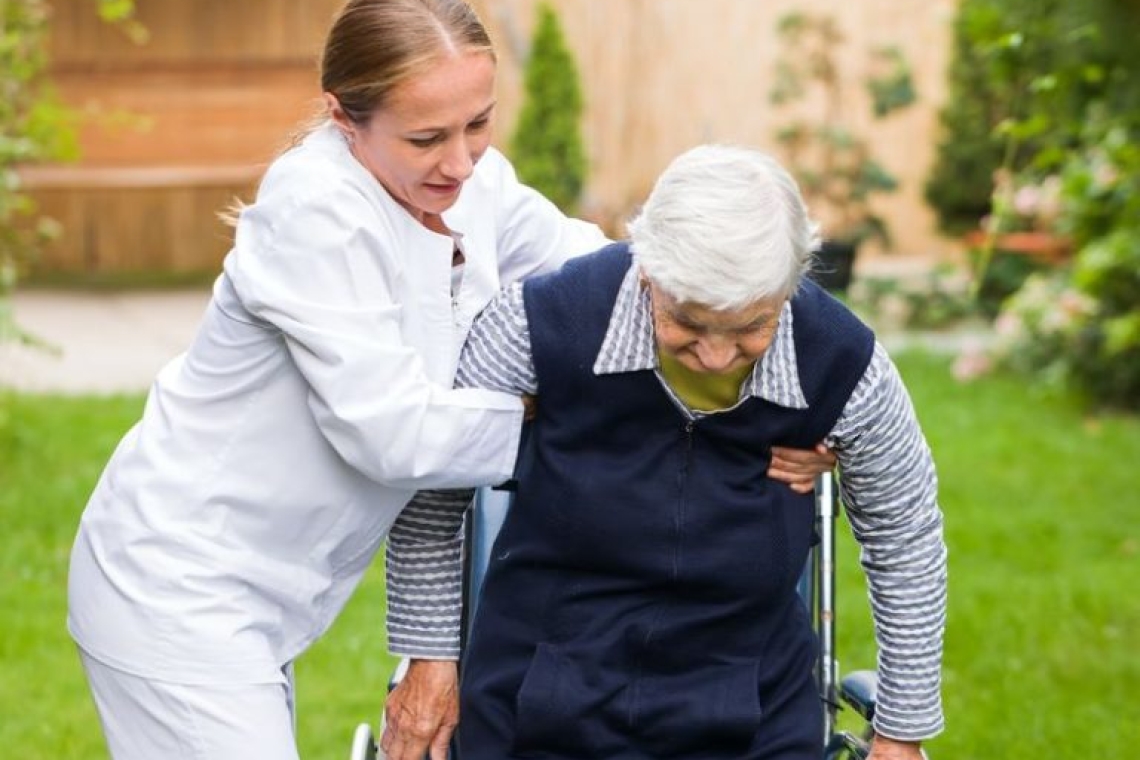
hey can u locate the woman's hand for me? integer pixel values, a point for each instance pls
(422, 712)
(799, 467)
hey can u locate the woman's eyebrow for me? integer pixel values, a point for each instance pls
(485, 113)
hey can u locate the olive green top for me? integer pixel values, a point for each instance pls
(703, 391)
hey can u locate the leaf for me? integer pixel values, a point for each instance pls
(1122, 334)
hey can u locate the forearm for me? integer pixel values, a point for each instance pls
(424, 556)
(424, 566)
(890, 491)
(907, 585)
(896, 518)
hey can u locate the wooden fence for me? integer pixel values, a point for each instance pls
(174, 129)
(171, 131)
(662, 75)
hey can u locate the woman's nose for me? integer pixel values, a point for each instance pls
(458, 161)
(715, 354)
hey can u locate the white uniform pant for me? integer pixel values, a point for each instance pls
(144, 719)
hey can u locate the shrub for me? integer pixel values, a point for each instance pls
(1021, 74)
(547, 144)
(1082, 326)
(830, 159)
(939, 300)
(1072, 125)
(34, 126)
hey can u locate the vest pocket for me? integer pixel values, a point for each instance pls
(555, 707)
(714, 711)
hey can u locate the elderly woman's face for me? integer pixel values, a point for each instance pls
(710, 341)
(423, 144)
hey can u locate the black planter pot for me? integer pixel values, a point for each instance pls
(834, 262)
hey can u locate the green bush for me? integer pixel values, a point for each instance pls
(1082, 326)
(1070, 72)
(546, 148)
(1106, 358)
(939, 300)
(33, 126)
(1022, 73)
(1003, 275)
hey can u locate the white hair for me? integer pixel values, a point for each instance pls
(724, 227)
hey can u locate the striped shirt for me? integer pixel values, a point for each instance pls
(888, 484)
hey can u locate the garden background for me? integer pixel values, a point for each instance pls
(995, 140)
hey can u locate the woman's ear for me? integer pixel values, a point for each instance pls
(339, 117)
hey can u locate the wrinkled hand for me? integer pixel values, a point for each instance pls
(799, 467)
(883, 748)
(422, 712)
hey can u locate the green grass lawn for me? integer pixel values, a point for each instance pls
(1041, 509)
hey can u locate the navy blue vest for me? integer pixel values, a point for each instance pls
(641, 598)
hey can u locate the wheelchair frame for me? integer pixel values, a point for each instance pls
(856, 691)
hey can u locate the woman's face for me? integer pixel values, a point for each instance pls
(710, 341)
(424, 142)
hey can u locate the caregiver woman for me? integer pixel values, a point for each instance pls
(235, 519)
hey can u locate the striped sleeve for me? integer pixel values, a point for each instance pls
(890, 489)
(424, 567)
(425, 546)
(497, 354)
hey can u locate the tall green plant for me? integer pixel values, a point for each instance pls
(547, 146)
(830, 159)
(34, 126)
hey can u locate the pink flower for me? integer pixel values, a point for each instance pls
(1027, 200)
(971, 363)
(1008, 325)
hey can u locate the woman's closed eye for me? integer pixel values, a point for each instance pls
(479, 124)
(426, 141)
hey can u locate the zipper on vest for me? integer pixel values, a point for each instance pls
(685, 411)
(680, 512)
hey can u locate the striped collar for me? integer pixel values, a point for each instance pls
(629, 346)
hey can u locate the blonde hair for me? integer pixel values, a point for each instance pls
(375, 45)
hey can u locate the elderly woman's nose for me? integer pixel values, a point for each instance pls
(715, 353)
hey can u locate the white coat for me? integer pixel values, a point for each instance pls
(234, 520)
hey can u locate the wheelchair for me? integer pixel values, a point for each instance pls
(856, 691)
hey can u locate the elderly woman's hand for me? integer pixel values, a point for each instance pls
(799, 467)
(422, 712)
(883, 748)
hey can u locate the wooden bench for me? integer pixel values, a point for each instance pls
(119, 220)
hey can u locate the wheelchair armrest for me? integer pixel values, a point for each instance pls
(859, 689)
(398, 674)
(363, 744)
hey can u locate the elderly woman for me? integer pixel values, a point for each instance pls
(641, 599)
